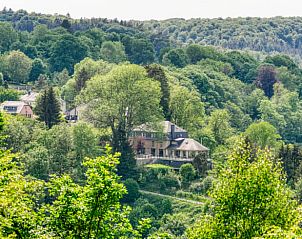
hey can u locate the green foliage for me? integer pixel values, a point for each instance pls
(157, 72)
(187, 173)
(156, 177)
(139, 50)
(176, 57)
(281, 60)
(158, 167)
(60, 78)
(202, 187)
(38, 68)
(187, 110)
(8, 36)
(128, 98)
(59, 150)
(8, 94)
(291, 158)
(113, 52)
(88, 68)
(132, 191)
(66, 52)
(213, 93)
(17, 66)
(125, 93)
(283, 111)
(19, 198)
(249, 196)
(91, 210)
(169, 182)
(245, 66)
(48, 108)
(217, 129)
(263, 134)
(197, 53)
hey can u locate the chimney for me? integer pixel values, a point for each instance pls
(172, 131)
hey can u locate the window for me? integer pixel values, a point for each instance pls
(153, 151)
(177, 153)
(140, 150)
(153, 144)
(161, 153)
(10, 108)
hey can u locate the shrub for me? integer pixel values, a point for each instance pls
(132, 189)
(187, 173)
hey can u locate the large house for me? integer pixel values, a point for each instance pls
(167, 143)
(17, 108)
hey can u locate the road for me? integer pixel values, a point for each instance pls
(172, 197)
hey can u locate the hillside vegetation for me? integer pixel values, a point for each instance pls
(234, 84)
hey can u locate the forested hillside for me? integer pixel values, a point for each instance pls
(270, 35)
(278, 34)
(68, 168)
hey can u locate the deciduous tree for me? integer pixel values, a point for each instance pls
(250, 196)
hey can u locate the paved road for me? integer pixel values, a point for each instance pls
(171, 197)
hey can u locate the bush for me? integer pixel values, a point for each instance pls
(133, 191)
(203, 186)
(169, 181)
(8, 94)
(187, 173)
(142, 208)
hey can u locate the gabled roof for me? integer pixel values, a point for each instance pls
(30, 97)
(188, 145)
(164, 125)
(14, 106)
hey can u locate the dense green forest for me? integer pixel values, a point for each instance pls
(234, 84)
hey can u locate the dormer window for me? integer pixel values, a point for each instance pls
(10, 108)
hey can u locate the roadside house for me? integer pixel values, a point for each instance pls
(75, 114)
(17, 108)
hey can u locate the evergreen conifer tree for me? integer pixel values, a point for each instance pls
(48, 108)
(156, 72)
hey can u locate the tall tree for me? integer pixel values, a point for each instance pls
(66, 24)
(250, 197)
(186, 107)
(291, 158)
(263, 134)
(7, 36)
(156, 71)
(266, 79)
(176, 57)
(139, 51)
(113, 52)
(48, 107)
(17, 66)
(88, 68)
(38, 68)
(66, 52)
(217, 128)
(122, 99)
